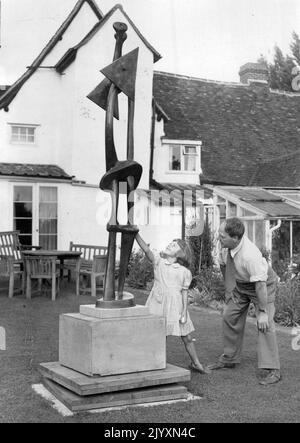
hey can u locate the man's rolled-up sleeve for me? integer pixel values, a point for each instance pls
(257, 269)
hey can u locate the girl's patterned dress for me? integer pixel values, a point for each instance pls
(165, 299)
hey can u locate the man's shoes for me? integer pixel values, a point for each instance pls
(271, 378)
(220, 365)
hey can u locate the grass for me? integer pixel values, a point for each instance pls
(228, 396)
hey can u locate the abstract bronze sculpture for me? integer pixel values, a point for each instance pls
(120, 77)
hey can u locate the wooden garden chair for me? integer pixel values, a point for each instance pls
(94, 272)
(87, 255)
(85, 266)
(12, 262)
(9, 269)
(41, 268)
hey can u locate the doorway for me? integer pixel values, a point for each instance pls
(35, 214)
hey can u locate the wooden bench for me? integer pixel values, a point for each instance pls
(88, 251)
(92, 263)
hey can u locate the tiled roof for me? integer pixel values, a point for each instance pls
(240, 126)
(10, 94)
(30, 170)
(271, 205)
(282, 171)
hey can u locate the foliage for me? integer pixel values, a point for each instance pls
(281, 70)
(208, 287)
(288, 303)
(265, 253)
(206, 258)
(284, 270)
(295, 47)
(201, 247)
(195, 247)
(281, 249)
(140, 271)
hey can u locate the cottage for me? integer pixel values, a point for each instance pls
(52, 151)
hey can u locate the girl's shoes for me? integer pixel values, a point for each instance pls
(200, 370)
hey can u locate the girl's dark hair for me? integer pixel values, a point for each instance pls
(184, 256)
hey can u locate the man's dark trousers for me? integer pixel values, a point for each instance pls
(234, 321)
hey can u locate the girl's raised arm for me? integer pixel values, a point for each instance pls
(143, 245)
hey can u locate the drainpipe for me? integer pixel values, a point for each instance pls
(183, 225)
(152, 141)
(291, 242)
(274, 228)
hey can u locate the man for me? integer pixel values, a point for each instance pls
(248, 278)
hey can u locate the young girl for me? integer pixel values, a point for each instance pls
(168, 297)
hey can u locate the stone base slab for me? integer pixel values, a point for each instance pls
(92, 311)
(112, 346)
(77, 403)
(83, 385)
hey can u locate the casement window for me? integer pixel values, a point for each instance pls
(185, 157)
(23, 134)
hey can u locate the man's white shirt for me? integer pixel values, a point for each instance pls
(249, 263)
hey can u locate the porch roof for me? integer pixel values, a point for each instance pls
(262, 201)
(30, 170)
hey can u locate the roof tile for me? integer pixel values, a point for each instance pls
(30, 170)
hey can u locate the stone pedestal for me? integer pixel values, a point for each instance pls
(113, 357)
(112, 341)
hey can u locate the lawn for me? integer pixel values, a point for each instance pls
(228, 396)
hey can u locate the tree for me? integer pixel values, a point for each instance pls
(282, 70)
(295, 47)
(206, 258)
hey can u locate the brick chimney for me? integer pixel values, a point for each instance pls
(254, 73)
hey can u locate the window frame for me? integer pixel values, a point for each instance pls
(26, 126)
(184, 144)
